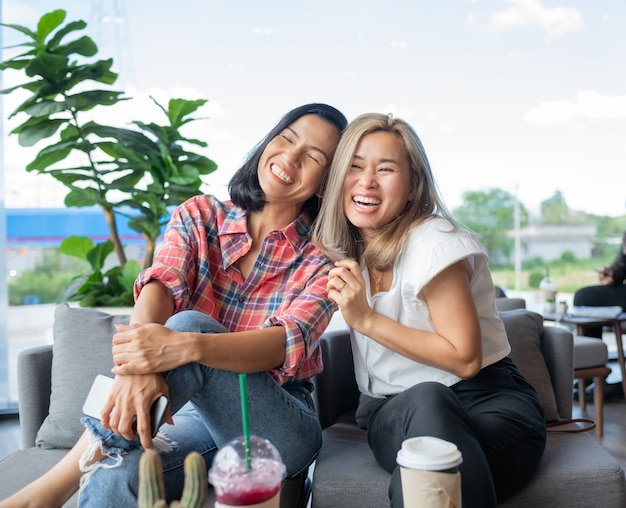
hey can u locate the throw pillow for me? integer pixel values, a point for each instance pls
(524, 329)
(81, 350)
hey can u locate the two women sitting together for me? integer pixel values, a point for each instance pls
(249, 285)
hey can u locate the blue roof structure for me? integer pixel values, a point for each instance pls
(50, 226)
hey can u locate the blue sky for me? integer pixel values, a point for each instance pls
(514, 94)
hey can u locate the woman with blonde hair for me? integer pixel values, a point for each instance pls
(430, 352)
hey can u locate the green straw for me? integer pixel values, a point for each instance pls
(246, 420)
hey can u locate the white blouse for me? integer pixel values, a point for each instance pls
(432, 246)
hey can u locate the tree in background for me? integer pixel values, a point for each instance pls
(491, 215)
(554, 210)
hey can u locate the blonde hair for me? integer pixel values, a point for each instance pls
(336, 236)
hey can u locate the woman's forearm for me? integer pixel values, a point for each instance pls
(155, 304)
(250, 351)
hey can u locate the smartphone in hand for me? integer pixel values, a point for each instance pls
(99, 393)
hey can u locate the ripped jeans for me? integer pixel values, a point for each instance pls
(207, 413)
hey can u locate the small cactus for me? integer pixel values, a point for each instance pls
(151, 487)
(152, 490)
(196, 487)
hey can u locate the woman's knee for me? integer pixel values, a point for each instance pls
(194, 321)
(430, 399)
(424, 409)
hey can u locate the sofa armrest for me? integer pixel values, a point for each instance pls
(505, 303)
(336, 392)
(34, 368)
(557, 345)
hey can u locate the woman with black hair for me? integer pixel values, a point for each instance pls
(610, 292)
(236, 286)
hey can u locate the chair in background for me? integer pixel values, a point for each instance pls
(590, 362)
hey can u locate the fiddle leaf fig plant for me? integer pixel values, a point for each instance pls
(99, 288)
(137, 171)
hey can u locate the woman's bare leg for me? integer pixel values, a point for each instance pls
(57, 485)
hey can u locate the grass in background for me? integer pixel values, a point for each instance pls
(569, 275)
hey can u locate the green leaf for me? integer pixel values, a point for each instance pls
(129, 274)
(16, 64)
(49, 156)
(36, 129)
(52, 68)
(145, 227)
(61, 33)
(45, 108)
(98, 71)
(77, 246)
(196, 142)
(25, 30)
(67, 178)
(97, 256)
(84, 101)
(180, 108)
(71, 291)
(83, 46)
(48, 23)
(82, 197)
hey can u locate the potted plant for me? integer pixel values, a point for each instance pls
(137, 171)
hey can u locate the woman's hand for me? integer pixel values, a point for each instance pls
(129, 403)
(147, 349)
(346, 287)
(606, 276)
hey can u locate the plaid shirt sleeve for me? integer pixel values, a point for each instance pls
(305, 316)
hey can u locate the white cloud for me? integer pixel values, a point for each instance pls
(588, 105)
(263, 31)
(555, 21)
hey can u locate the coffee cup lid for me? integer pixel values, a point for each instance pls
(431, 453)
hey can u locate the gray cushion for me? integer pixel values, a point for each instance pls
(81, 350)
(524, 331)
(346, 473)
(570, 462)
(589, 352)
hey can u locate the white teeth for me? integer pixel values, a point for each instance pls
(281, 174)
(360, 200)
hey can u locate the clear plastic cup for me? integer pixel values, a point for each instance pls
(235, 485)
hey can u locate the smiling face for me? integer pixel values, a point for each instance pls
(294, 164)
(378, 184)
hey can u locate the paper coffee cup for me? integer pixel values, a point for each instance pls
(429, 473)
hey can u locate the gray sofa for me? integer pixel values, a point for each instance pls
(576, 472)
(53, 382)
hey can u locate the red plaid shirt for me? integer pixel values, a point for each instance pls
(286, 287)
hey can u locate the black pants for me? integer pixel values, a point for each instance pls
(495, 419)
(600, 296)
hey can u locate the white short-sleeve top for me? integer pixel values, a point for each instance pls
(431, 247)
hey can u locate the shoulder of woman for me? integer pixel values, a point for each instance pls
(437, 234)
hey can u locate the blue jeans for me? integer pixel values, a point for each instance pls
(207, 407)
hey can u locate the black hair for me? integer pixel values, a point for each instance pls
(244, 187)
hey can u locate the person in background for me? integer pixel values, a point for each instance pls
(430, 352)
(236, 286)
(610, 292)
